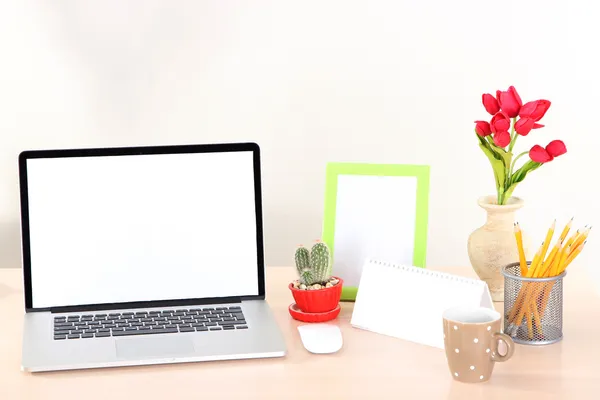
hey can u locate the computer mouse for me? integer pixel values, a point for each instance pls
(321, 338)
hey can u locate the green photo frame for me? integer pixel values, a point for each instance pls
(409, 196)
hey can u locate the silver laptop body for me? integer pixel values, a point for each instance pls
(144, 255)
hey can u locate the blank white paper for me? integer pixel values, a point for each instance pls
(408, 302)
(375, 218)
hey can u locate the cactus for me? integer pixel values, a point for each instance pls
(313, 267)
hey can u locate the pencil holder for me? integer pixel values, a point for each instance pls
(533, 307)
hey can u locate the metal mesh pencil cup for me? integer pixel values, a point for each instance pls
(533, 307)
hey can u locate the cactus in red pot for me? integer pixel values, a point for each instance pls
(315, 290)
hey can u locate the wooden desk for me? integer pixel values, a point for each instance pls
(369, 366)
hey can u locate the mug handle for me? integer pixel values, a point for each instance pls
(510, 347)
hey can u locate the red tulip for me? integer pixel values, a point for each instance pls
(502, 139)
(539, 154)
(556, 148)
(482, 128)
(534, 109)
(500, 122)
(490, 103)
(524, 125)
(509, 101)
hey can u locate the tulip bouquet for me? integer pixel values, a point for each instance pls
(511, 119)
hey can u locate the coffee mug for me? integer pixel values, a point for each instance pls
(471, 339)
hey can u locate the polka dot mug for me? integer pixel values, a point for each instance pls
(472, 336)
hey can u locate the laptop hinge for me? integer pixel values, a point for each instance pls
(147, 304)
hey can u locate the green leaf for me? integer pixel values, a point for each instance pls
(497, 166)
(522, 172)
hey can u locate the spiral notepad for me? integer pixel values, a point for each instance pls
(407, 302)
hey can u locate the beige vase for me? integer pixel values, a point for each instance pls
(493, 245)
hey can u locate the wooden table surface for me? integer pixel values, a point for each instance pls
(369, 366)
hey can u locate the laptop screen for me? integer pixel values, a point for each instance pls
(133, 228)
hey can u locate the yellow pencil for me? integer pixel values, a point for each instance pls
(548, 239)
(572, 239)
(581, 238)
(563, 257)
(566, 230)
(545, 265)
(535, 262)
(522, 261)
(571, 257)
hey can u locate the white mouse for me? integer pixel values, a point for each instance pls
(321, 338)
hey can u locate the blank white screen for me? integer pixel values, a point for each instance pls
(141, 228)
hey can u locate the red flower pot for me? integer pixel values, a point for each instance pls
(318, 300)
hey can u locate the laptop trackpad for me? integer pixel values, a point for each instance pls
(154, 347)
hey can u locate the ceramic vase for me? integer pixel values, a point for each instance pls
(493, 245)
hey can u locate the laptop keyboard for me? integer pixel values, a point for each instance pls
(148, 322)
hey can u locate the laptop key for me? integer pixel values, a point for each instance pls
(77, 332)
(131, 329)
(208, 309)
(150, 332)
(89, 331)
(228, 327)
(201, 329)
(87, 335)
(60, 319)
(235, 308)
(59, 337)
(222, 323)
(186, 329)
(215, 328)
(103, 334)
(61, 333)
(73, 318)
(104, 330)
(144, 328)
(241, 327)
(210, 324)
(73, 336)
(197, 325)
(118, 329)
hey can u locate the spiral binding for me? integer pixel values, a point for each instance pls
(426, 272)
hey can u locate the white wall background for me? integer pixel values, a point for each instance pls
(312, 82)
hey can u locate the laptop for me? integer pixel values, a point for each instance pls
(143, 255)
